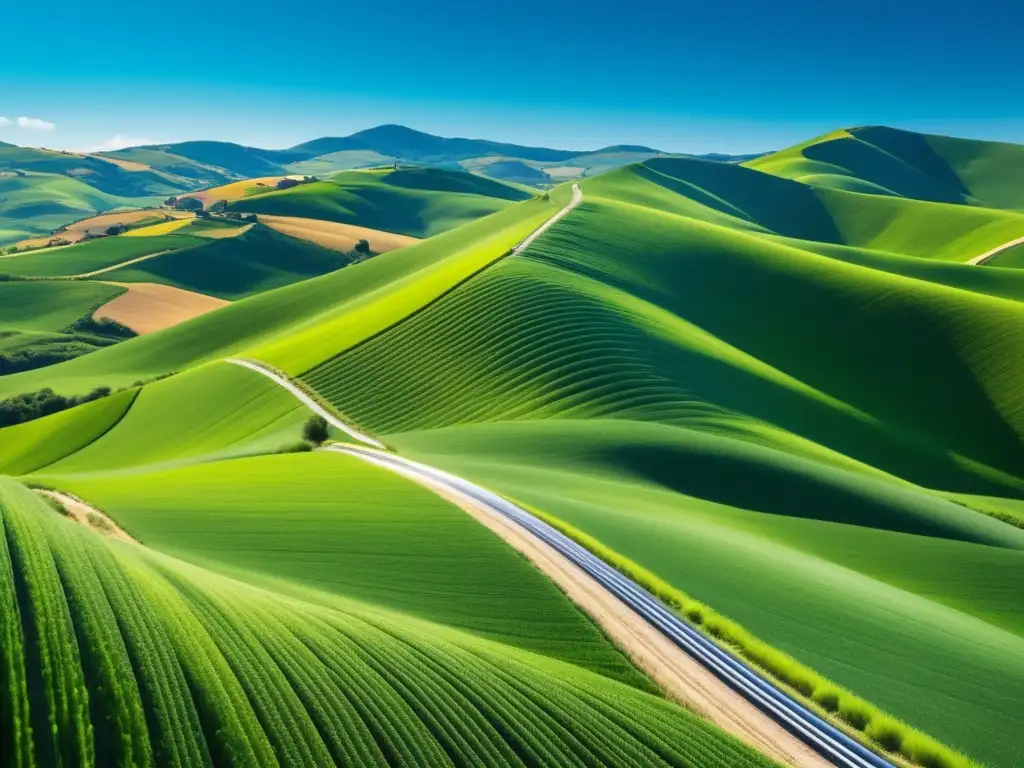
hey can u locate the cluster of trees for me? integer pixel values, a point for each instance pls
(288, 183)
(44, 402)
(33, 405)
(80, 338)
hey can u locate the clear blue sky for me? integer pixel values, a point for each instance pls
(728, 75)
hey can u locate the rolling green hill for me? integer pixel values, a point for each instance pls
(418, 202)
(257, 260)
(880, 160)
(283, 609)
(682, 366)
(34, 204)
(776, 389)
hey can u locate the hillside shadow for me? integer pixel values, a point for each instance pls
(779, 205)
(868, 162)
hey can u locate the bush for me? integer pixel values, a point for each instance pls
(315, 430)
(188, 204)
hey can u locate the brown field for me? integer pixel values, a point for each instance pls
(337, 237)
(75, 232)
(149, 307)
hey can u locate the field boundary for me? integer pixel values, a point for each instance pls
(310, 399)
(515, 250)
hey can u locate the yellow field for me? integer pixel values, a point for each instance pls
(337, 237)
(98, 225)
(163, 228)
(148, 307)
(234, 191)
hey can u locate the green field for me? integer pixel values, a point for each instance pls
(692, 325)
(775, 389)
(37, 319)
(419, 202)
(91, 255)
(308, 608)
(235, 267)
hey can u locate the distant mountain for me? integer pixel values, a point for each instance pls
(415, 146)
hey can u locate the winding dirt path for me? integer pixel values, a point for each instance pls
(986, 257)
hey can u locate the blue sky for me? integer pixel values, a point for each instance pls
(729, 75)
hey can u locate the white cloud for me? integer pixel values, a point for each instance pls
(4, 121)
(120, 141)
(35, 124)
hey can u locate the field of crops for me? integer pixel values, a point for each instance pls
(119, 653)
(707, 374)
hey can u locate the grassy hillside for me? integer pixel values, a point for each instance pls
(120, 179)
(38, 203)
(92, 255)
(708, 359)
(257, 260)
(38, 322)
(880, 160)
(304, 608)
(419, 202)
(300, 325)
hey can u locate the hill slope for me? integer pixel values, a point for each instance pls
(418, 202)
(881, 160)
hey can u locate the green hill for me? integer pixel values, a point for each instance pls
(680, 366)
(776, 393)
(881, 160)
(235, 267)
(283, 609)
(419, 202)
(33, 204)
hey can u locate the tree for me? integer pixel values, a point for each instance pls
(315, 430)
(363, 248)
(189, 204)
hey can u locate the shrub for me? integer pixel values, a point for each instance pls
(315, 430)
(887, 732)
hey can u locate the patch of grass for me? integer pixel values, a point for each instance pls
(418, 202)
(512, 661)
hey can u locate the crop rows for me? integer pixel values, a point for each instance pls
(144, 660)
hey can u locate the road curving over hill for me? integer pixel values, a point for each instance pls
(985, 258)
(742, 702)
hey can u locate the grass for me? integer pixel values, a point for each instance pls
(766, 328)
(92, 255)
(152, 658)
(880, 160)
(418, 202)
(38, 203)
(37, 322)
(36, 444)
(830, 607)
(232, 268)
(298, 326)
